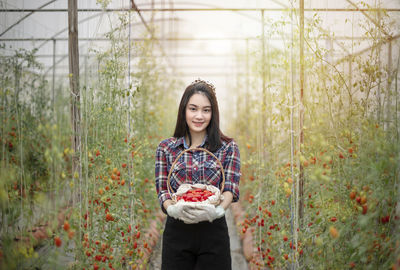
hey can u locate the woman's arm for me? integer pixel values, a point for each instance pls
(167, 203)
(161, 175)
(232, 175)
(228, 197)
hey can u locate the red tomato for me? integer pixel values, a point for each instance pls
(66, 226)
(57, 241)
(195, 195)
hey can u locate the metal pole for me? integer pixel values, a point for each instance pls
(350, 84)
(264, 90)
(152, 13)
(54, 75)
(389, 84)
(379, 48)
(293, 201)
(247, 77)
(171, 23)
(397, 104)
(162, 24)
(301, 114)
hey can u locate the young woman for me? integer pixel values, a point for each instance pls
(202, 245)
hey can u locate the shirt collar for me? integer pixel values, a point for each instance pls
(182, 140)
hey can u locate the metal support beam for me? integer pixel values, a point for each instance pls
(140, 56)
(134, 7)
(88, 19)
(380, 43)
(195, 75)
(206, 9)
(174, 39)
(371, 19)
(24, 17)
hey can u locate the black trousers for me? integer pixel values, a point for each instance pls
(200, 246)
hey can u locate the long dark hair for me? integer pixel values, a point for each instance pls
(215, 136)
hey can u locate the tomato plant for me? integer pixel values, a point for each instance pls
(346, 214)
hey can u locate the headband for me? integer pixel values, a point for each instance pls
(210, 85)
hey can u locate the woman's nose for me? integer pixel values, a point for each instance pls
(199, 115)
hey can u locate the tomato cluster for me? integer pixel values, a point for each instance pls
(195, 195)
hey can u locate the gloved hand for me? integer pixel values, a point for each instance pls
(203, 213)
(215, 212)
(195, 214)
(188, 213)
(191, 213)
(174, 211)
(219, 211)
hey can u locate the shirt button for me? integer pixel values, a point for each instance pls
(195, 168)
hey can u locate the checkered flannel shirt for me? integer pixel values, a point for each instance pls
(196, 167)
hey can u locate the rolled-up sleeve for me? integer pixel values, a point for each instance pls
(232, 170)
(161, 175)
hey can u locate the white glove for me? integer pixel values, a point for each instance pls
(191, 214)
(197, 214)
(188, 213)
(219, 211)
(174, 211)
(204, 213)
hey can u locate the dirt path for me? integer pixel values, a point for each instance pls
(238, 260)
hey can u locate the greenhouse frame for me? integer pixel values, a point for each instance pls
(307, 89)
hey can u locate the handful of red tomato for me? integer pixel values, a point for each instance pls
(195, 195)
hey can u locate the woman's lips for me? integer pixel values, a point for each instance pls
(197, 124)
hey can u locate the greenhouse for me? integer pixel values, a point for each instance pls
(99, 129)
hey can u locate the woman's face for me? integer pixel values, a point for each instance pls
(198, 113)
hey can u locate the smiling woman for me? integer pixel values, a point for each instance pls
(198, 116)
(191, 242)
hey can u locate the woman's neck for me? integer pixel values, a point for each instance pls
(197, 139)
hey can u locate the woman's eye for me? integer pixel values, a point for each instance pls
(192, 109)
(207, 110)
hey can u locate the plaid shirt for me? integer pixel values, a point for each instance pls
(196, 167)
